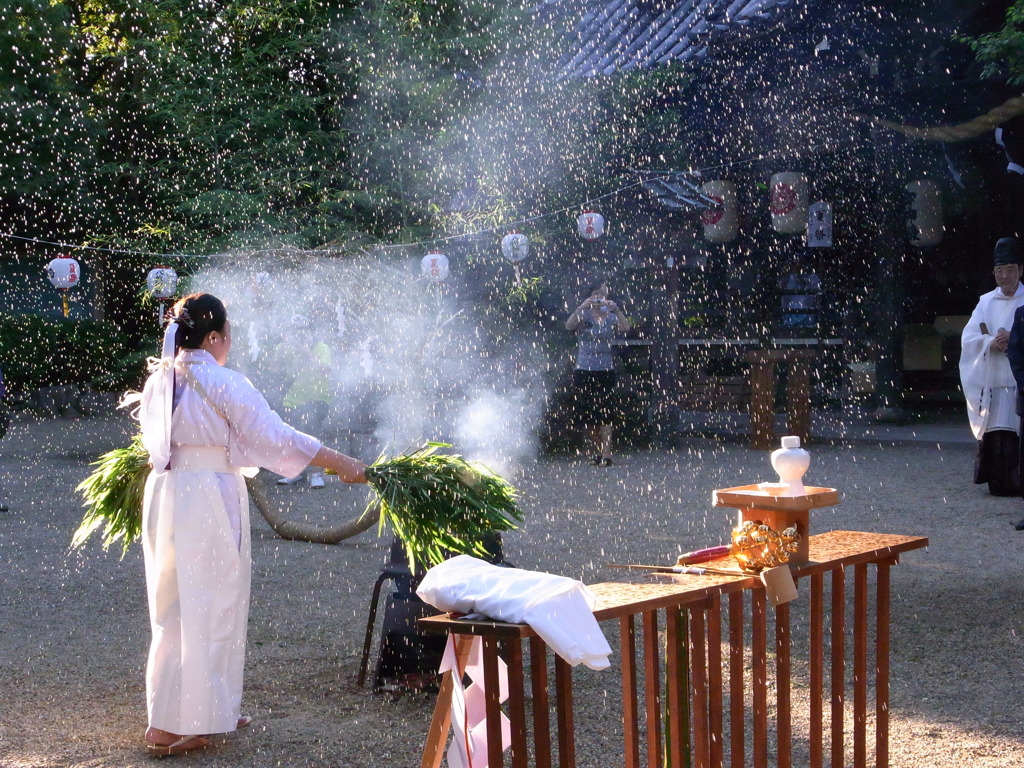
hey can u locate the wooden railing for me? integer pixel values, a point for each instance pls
(699, 701)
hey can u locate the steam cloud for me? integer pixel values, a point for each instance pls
(410, 361)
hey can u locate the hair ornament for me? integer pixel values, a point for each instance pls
(184, 318)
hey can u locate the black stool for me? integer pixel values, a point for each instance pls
(405, 653)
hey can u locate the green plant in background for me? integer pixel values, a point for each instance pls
(123, 373)
(691, 321)
(514, 305)
(39, 352)
(485, 210)
(1002, 52)
(525, 291)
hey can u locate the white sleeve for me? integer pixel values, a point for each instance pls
(974, 369)
(973, 341)
(259, 437)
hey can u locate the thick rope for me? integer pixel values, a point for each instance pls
(300, 531)
(978, 126)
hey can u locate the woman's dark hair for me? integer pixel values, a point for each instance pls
(594, 285)
(197, 315)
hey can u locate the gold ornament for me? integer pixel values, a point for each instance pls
(756, 546)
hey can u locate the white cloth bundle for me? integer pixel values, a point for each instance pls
(559, 609)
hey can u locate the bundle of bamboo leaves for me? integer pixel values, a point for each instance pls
(439, 504)
(436, 503)
(113, 496)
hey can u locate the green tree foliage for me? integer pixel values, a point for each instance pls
(199, 125)
(38, 352)
(46, 131)
(221, 120)
(1002, 51)
(420, 69)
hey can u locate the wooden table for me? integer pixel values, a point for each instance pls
(693, 690)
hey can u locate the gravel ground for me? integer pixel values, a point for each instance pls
(74, 629)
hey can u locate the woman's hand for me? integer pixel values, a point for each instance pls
(345, 467)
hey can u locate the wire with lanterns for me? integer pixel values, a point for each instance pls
(789, 203)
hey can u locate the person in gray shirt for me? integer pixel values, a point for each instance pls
(596, 321)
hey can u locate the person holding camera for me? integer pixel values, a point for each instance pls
(596, 321)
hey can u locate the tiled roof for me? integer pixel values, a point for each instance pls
(619, 35)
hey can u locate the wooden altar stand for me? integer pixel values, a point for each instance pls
(695, 701)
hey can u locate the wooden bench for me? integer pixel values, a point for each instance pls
(696, 703)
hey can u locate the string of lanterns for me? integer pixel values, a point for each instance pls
(697, 172)
(788, 204)
(792, 213)
(64, 273)
(515, 246)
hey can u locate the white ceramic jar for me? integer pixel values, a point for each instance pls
(791, 462)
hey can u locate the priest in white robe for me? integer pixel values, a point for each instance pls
(204, 426)
(987, 378)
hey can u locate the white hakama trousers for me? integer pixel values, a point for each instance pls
(198, 574)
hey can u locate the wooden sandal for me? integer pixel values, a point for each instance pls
(180, 747)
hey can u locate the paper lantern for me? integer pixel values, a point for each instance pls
(63, 272)
(590, 225)
(515, 246)
(162, 282)
(721, 224)
(924, 213)
(434, 266)
(788, 202)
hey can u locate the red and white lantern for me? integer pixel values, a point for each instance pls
(434, 266)
(924, 217)
(590, 225)
(721, 224)
(788, 202)
(64, 273)
(515, 246)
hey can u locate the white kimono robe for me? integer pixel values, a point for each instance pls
(196, 537)
(985, 376)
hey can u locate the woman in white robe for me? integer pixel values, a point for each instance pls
(204, 425)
